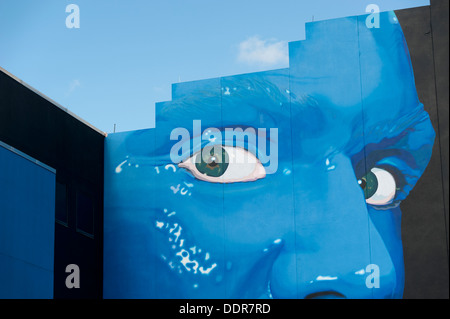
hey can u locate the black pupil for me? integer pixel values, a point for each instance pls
(212, 161)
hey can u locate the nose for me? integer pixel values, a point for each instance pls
(328, 249)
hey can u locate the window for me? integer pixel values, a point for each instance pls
(85, 214)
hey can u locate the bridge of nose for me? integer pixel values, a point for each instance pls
(330, 246)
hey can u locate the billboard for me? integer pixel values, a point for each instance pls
(279, 184)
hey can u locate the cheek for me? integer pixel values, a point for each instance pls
(182, 245)
(387, 224)
(387, 250)
(227, 226)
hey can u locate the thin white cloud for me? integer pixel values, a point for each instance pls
(73, 85)
(269, 52)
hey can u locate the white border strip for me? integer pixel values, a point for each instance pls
(31, 159)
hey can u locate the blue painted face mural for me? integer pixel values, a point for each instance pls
(332, 144)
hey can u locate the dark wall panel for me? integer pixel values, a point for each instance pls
(424, 225)
(27, 218)
(440, 27)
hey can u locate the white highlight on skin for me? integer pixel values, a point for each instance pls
(175, 190)
(184, 254)
(208, 270)
(320, 278)
(171, 166)
(119, 167)
(174, 227)
(178, 233)
(187, 262)
(159, 224)
(327, 163)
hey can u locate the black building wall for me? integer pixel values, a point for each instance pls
(40, 128)
(425, 211)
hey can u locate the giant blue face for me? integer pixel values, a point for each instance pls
(318, 216)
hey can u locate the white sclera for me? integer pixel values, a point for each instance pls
(386, 188)
(243, 166)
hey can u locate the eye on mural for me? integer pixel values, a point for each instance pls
(286, 183)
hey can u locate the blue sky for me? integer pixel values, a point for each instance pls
(126, 54)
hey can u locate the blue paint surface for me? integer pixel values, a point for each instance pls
(27, 228)
(346, 108)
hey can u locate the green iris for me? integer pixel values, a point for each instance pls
(369, 183)
(216, 163)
